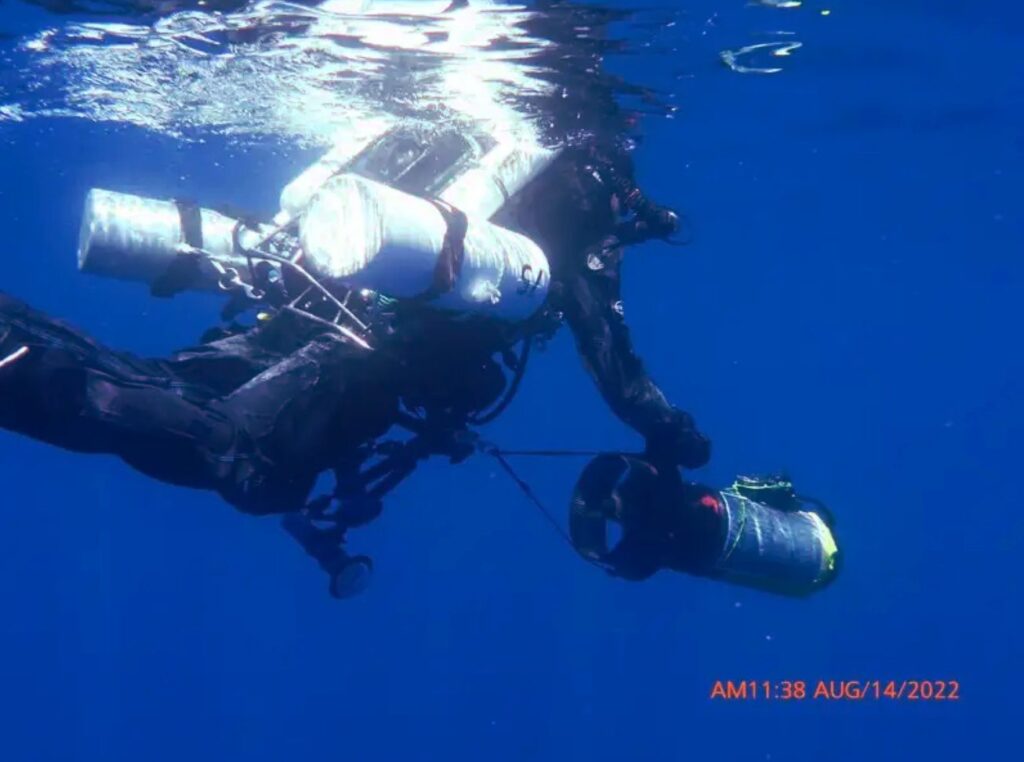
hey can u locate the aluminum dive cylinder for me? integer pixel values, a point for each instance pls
(296, 194)
(478, 173)
(501, 173)
(365, 234)
(134, 238)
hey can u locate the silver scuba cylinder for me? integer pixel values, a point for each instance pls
(504, 150)
(477, 176)
(501, 173)
(368, 235)
(135, 238)
(296, 194)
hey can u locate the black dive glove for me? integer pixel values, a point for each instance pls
(678, 442)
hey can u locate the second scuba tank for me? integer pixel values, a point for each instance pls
(474, 170)
(368, 235)
(296, 194)
(135, 238)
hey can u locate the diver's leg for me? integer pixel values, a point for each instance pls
(225, 363)
(61, 387)
(304, 398)
(233, 358)
(261, 447)
(315, 406)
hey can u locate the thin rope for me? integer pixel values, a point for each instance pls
(532, 497)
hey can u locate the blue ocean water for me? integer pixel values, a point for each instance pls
(848, 311)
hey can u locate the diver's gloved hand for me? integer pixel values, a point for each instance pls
(663, 223)
(678, 442)
(659, 223)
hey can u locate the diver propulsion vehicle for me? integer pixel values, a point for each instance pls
(757, 533)
(403, 213)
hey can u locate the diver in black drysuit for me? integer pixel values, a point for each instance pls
(257, 415)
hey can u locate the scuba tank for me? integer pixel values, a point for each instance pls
(778, 543)
(139, 239)
(296, 194)
(368, 235)
(472, 170)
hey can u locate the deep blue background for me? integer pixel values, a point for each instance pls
(849, 311)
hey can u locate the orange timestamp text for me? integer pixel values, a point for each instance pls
(835, 690)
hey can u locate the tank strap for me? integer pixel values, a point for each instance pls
(453, 251)
(183, 270)
(191, 222)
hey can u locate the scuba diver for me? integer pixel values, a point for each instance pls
(390, 291)
(258, 413)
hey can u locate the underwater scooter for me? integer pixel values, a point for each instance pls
(757, 533)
